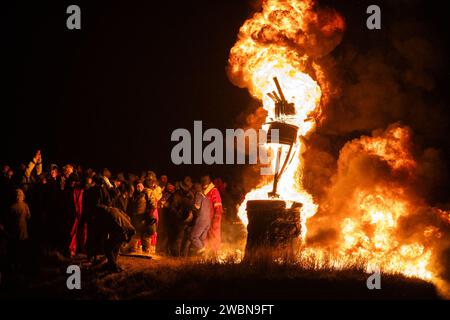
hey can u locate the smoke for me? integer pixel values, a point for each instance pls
(372, 88)
(383, 86)
(295, 30)
(383, 176)
(388, 88)
(372, 81)
(380, 175)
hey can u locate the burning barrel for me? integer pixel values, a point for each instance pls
(272, 229)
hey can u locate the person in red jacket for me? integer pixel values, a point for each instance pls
(213, 238)
(78, 233)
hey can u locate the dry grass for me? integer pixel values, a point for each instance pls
(259, 278)
(174, 279)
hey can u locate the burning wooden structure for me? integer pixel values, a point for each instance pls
(272, 226)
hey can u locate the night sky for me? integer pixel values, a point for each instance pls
(112, 93)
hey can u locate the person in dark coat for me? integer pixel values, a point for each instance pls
(38, 203)
(16, 225)
(95, 197)
(142, 219)
(179, 216)
(163, 223)
(119, 230)
(7, 191)
(122, 197)
(52, 198)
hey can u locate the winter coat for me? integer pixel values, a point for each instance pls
(214, 232)
(17, 221)
(141, 203)
(121, 202)
(26, 178)
(180, 207)
(117, 223)
(154, 195)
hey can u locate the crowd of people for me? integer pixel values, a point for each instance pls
(76, 211)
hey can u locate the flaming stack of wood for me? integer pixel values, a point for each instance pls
(273, 228)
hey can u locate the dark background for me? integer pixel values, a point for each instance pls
(111, 93)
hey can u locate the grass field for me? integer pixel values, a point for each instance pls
(170, 278)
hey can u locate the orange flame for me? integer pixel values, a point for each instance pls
(372, 237)
(273, 43)
(371, 232)
(282, 41)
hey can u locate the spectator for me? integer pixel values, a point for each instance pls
(28, 174)
(78, 233)
(118, 228)
(163, 223)
(154, 193)
(123, 197)
(74, 210)
(163, 180)
(179, 215)
(95, 197)
(17, 229)
(202, 220)
(142, 220)
(214, 233)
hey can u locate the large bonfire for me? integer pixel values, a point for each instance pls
(274, 43)
(376, 218)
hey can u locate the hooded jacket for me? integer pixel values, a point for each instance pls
(17, 219)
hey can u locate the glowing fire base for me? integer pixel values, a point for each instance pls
(272, 229)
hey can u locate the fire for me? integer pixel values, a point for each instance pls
(394, 149)
(372, 232)
(374, 212)
(373, 236)
(264, 51)
(283, 41)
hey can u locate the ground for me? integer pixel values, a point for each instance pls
(169, 278)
